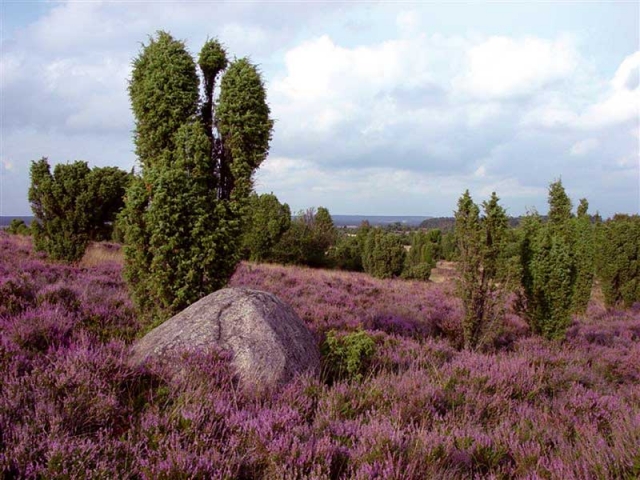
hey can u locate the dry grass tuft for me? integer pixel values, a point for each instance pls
(99, 253)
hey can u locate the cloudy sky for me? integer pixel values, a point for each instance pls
(380, 108)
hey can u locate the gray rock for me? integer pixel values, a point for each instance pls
(268, 341)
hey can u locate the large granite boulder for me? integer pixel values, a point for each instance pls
(268, 341)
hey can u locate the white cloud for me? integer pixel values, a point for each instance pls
(584, 146)
(618, 104)
(503, 67)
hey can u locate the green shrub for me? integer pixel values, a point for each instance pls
(347, 356)
(383, 255)
(551, 264)
(18, 227)
(421, 271)
(184, 214)
(73, 205)
(618, 260)
(267, 221)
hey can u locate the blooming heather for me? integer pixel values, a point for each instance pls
(70, 406)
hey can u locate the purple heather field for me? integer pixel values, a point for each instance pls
(70, 407)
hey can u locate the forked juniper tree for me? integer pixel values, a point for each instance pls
(183, 216)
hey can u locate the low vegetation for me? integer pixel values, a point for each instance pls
(400, 398)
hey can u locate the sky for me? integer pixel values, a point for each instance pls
(380, 108)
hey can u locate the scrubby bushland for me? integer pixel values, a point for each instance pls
(73, 205)
(309, 239)
(423, 255)
(383, 255)
(481, 285)
(71, 407)
(618, 260)
(349, 249)
(555, 273)
(18, 227)
(267, 221)
(183, 218)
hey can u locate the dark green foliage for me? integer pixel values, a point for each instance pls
(267, 221)
(422, 255)
(559, 206)
(383, 255)
(164, 94)
(107, 186)
(550, 267)
(73, 205)
(18, 227)
(308, 240)
(480, 243)
(618, 260)
(347, 254)
(183, 218)
(242, 118)
(449, 248)
(349, 249)
(421, 271)
(212, 61)
(346, 356)
(584, 252)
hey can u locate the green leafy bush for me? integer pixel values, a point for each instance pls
(421, 271)
(383, 255)
(555, 269)
(480, 242)
(618, 260)
(267, 221)
(73, 205)
(347, 356)
(18, 227)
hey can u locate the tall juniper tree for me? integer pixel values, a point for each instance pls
(183, 216)
(480, 242)
(549, 267)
